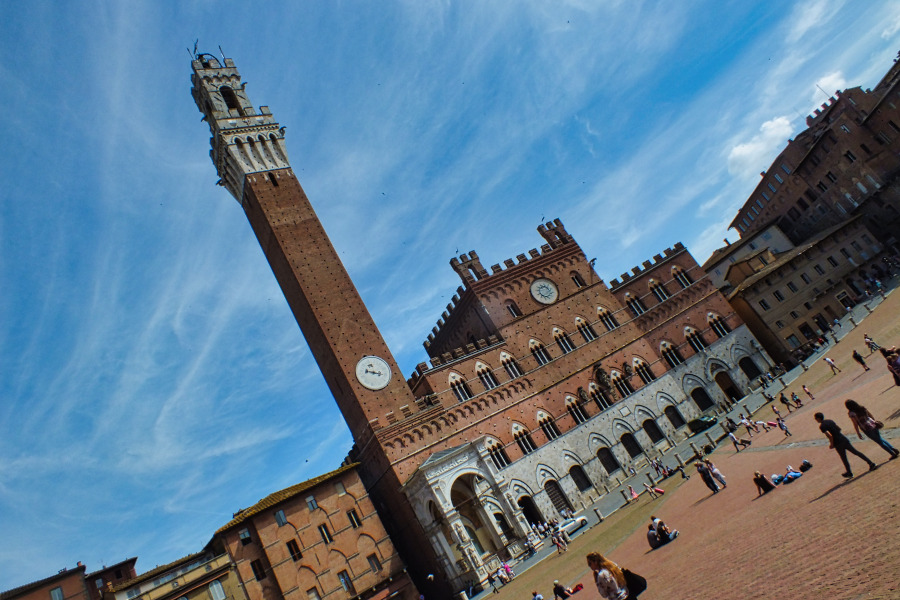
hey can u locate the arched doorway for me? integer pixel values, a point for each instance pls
(557, 496)
(674, 417)
(530, 510)
(749, 368)
(580, 478)
(464, 500)
(729, 387)
(608, 460)
(631, 445)
(653, 431)
(503, 524)
(701, 399)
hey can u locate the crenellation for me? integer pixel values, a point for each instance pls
(534, 253)
(521, 258)
(496, 269)
(657, 258)
(545, 248)
(646, 264)
(509, 263)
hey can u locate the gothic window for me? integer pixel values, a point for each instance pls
(637, 307)
(674, 417)
(718, 325)
(671, 354)
(607, 318)
(524, 440)
(563, 341)
(512, 367)
(460, 388)
(622, 385)
(513, 309)
(653, 431)
(498, 454)
(540, 353)
(576, 410)
(659, 290)
(695, 339)
(608, 460)
(486, 376)
(585, 329)
(548, 425)
(683, 279)
(644, 372)
(600, 399)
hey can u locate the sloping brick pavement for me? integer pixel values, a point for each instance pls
(820, 537)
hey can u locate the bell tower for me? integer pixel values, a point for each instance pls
(250, 157)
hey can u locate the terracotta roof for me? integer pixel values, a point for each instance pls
(720, 254)
(23, 589)
(154, 572)
(280, 496)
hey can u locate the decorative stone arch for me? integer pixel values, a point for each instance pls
(691, 381)
(530, 510)
(542, 414)
(571, 458)
(713, 366)
(597, 440)
(520, 488)
(544, 472)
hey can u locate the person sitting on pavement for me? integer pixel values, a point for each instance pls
(560, 591)
(652, 537)
(763, 485)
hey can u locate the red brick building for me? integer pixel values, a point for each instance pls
(544, 383)
(320, 539)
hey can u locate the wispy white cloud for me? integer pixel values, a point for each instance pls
(746, 157)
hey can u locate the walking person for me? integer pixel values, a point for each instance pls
(784, 400)
(706, 476)
(746, 423)
(841, 444)
(716, 473)
(834, 367)
(796, 400)
(859, 358)
(893, 362)
(651, 491)
(865, 423)
(808, 393)
(743, 443)
(493, 581)
(783, 426)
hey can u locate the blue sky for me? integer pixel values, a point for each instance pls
(153, 380)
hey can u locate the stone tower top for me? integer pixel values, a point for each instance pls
(243, 141)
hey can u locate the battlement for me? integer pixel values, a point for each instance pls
(811, 119)
(648, 265)
(459, 353)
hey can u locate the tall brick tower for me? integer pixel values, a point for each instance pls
(249, 154)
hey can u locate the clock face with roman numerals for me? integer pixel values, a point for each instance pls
(373, 372)
(544, 291)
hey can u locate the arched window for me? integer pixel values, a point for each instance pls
(486, 376)
(671, 354)
(548, 426)
(216, 591)
(497, 453)
(585, 329)
(608, 460)
(674, 417)
(695, 339)
(653, 431)
(460, 388)
(631, 445)
(683, 279)
(637, 307)
(599, 397)
(576, 410)
(749, 368)
(557, 496)
(701, 399)
(231, 99)
(524, 439)
(643, 371)
(563, 341)
(580, 478)
(539, 353)
(577, 280)
(607, 318)
(622, 385)
(718, 325)
(513, 309)
(512, 367)
(659, 290)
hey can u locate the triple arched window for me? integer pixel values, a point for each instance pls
(718, 325)
(607, 318)
(635, 305)
(576, 410)
(695, 339)
(539, 353)
(488, 380)
(563, 341)
(643, 371)
(683, 279)
(548, 426)
(497, 453)
(671, 354)
(585, 329)
(524, 439)
(512, 367)
(622, 385)
(659, 290)
(460, 388)
(599, 397)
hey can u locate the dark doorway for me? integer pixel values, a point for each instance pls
(631, 445)
(702, 399)
(608, 460)
(674, 417)
(557, 497)
(732, 391)
(580, 478)
(530, 510)
(653, 431)
(749, 368)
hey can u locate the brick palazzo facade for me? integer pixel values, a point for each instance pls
(544, 382)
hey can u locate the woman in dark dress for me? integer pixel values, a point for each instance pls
(763, 485)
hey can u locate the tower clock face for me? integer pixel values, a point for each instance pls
(544, 291)
(373, 372)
